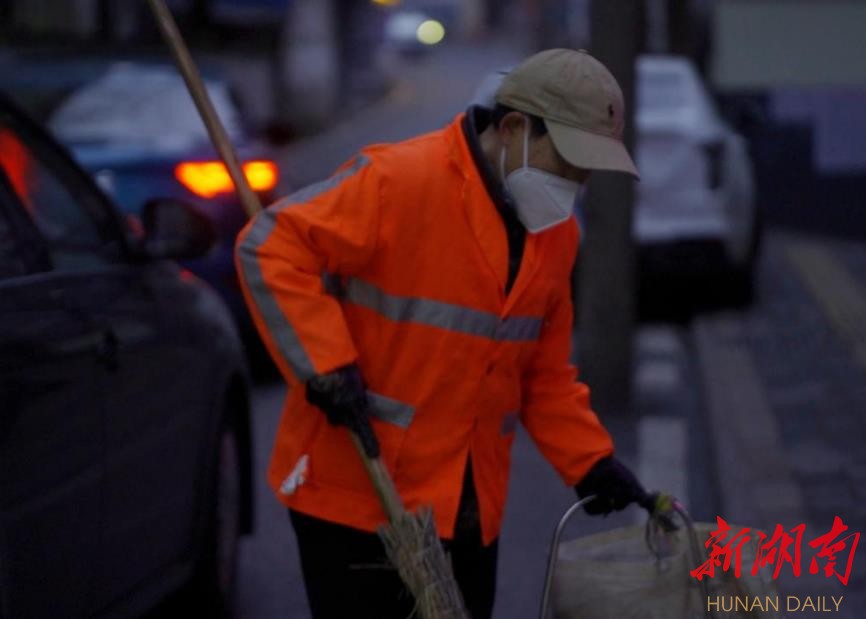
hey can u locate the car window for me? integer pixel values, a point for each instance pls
(64, 209)
(661, 90)
(21, 250)
(134, 103)
(12, 263)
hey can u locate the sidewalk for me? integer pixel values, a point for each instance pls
(785, 391)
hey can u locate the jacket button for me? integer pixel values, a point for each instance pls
(490, 367)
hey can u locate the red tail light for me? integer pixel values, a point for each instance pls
(211, 178)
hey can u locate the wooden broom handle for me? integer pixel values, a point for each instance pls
(385, 488)
(216, 131)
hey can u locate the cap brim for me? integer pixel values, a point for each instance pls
(590, 151)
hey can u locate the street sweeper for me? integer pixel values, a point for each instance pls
(420, 296)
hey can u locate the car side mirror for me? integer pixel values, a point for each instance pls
(174, 229)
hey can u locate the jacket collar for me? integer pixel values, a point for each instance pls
(474, 122)
(468, 156)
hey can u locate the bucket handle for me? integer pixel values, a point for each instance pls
(674, 505)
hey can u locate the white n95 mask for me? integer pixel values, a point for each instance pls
(542, 199)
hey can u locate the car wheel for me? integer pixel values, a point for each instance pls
(213, 583)
(741, 277)
(741, 285)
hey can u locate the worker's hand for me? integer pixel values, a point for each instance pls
(615, 487)
(342, 397)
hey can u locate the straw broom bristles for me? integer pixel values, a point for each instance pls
(413, 547)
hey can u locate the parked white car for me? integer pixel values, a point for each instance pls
(695, 212)
(696, 199)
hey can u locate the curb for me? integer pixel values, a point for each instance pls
(757, 486)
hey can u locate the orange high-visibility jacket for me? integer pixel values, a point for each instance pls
(398, 262)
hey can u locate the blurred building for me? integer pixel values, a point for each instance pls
(675, 26)
(297, 61)
(792, 75)
(76, 18)
(33, 22)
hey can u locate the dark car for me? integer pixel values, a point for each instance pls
(124, 403)
(133, 125)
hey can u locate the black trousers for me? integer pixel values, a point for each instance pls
(347, 575)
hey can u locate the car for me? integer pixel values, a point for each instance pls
(125, 450)
(695, 213)
(695, 216)
(133, 125)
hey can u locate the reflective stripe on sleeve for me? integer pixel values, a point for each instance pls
(281, 330)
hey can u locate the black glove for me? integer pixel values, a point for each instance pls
(342, 397)
(615, 487)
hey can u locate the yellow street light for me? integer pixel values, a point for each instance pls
(430, 32)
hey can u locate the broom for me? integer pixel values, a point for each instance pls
(411, 542)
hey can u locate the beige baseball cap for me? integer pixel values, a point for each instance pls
(580, 102)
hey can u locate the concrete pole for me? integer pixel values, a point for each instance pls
(606, 276)
(690, 30)
(680, 22)
(105, 21)
(309, 65)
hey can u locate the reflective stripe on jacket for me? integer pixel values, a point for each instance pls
(398, 262)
